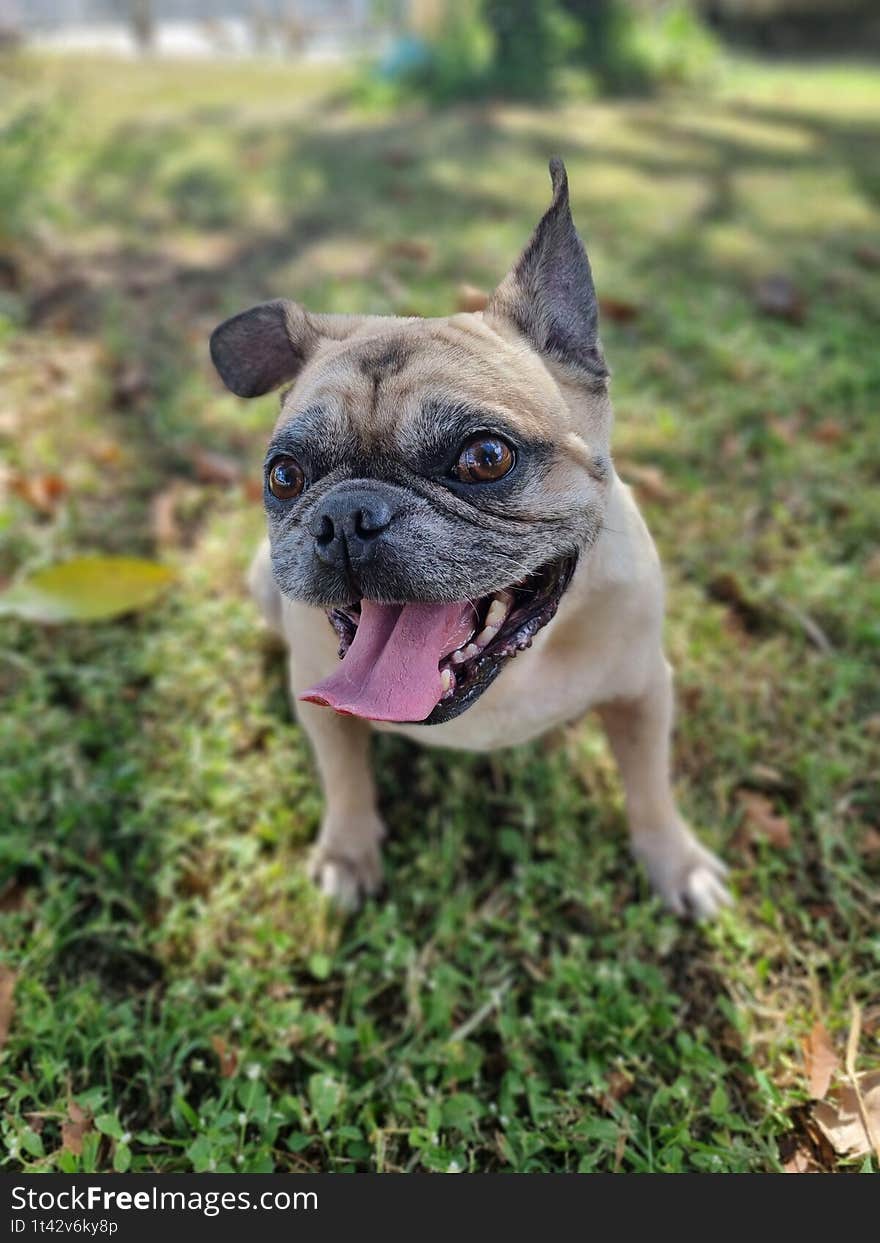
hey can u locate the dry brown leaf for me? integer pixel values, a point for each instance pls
(801, 1162)
(470, 298)
(828, 432)
(788, 429)
(762, 821)
(619, 310)
(7, 989)
(107, 452)
(41, 492)
(650, 482)
(840, 1118)
(227, 1057)
(163, 517)
(410, 248)
(397, 157)
(870, 843)
(820, 1059)
(619, 1084)
(75, 1126)
(131, 384)
(253, 489)
(777, 295)
(13, 896)
(868, 255)
(211, 467)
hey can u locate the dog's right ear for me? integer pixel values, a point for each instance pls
(268, 345)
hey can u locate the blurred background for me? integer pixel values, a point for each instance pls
(516, 1002)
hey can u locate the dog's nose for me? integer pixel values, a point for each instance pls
(347, 526)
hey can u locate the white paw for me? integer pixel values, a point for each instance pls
(688, 878)
(346, 875)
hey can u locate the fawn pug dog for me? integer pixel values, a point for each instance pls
(441, 499)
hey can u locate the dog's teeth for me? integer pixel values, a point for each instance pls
(497, 612)
(457, 657)
(446, 680)
(470, 651)
(486, 636)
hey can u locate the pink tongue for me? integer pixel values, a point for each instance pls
(391, 671)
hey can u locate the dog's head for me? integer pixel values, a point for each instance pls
(431, 483)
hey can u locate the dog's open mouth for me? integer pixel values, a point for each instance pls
(427, 663)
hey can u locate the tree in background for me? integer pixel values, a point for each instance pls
(529, 44)
(143, 24)
(606, 44)
(513, 49)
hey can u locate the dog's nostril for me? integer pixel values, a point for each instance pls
(368, 523)
(327, 530)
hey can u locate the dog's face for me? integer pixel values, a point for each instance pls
(431, 483)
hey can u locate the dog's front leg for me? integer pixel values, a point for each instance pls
(687, 876)
(346, 861)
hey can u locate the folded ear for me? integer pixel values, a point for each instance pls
(268, 345)
(549, 295)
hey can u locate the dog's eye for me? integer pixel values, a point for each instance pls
(286, 478)
(483, 459)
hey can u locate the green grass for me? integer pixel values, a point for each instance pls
(515, 1000)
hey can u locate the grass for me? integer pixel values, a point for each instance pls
(515, 1000)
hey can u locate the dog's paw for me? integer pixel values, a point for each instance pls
(347, 876)
(687, 877)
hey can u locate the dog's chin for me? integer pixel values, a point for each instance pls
(507, 620)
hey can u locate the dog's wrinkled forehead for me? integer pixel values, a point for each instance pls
(413, 380)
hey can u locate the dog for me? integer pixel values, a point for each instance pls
(451, 555)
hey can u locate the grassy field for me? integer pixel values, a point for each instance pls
(515, 1000)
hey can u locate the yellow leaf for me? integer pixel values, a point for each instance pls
(86, 589)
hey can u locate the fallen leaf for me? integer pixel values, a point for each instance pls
(7, 988)
(410, 248)
(762, 821)
(801, 1161)
(619, 310)
(397, 157)
(649, 481)
(107, 452)
(470, 298)
(76, 1125)
(768, 777)
(131, 384)
(211, 467)
(163, 517)
(777, 295)
(227, 1057)
(787, 429)
(10, 422)
(86, 589)
(870, 843)
(828, 432)
(868, 255)
(253, 489)
(840, 1118)
(820, 1059)
(619, 1084)
(12, 896)
(41, 492)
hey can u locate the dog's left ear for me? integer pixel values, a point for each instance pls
(549, 295)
